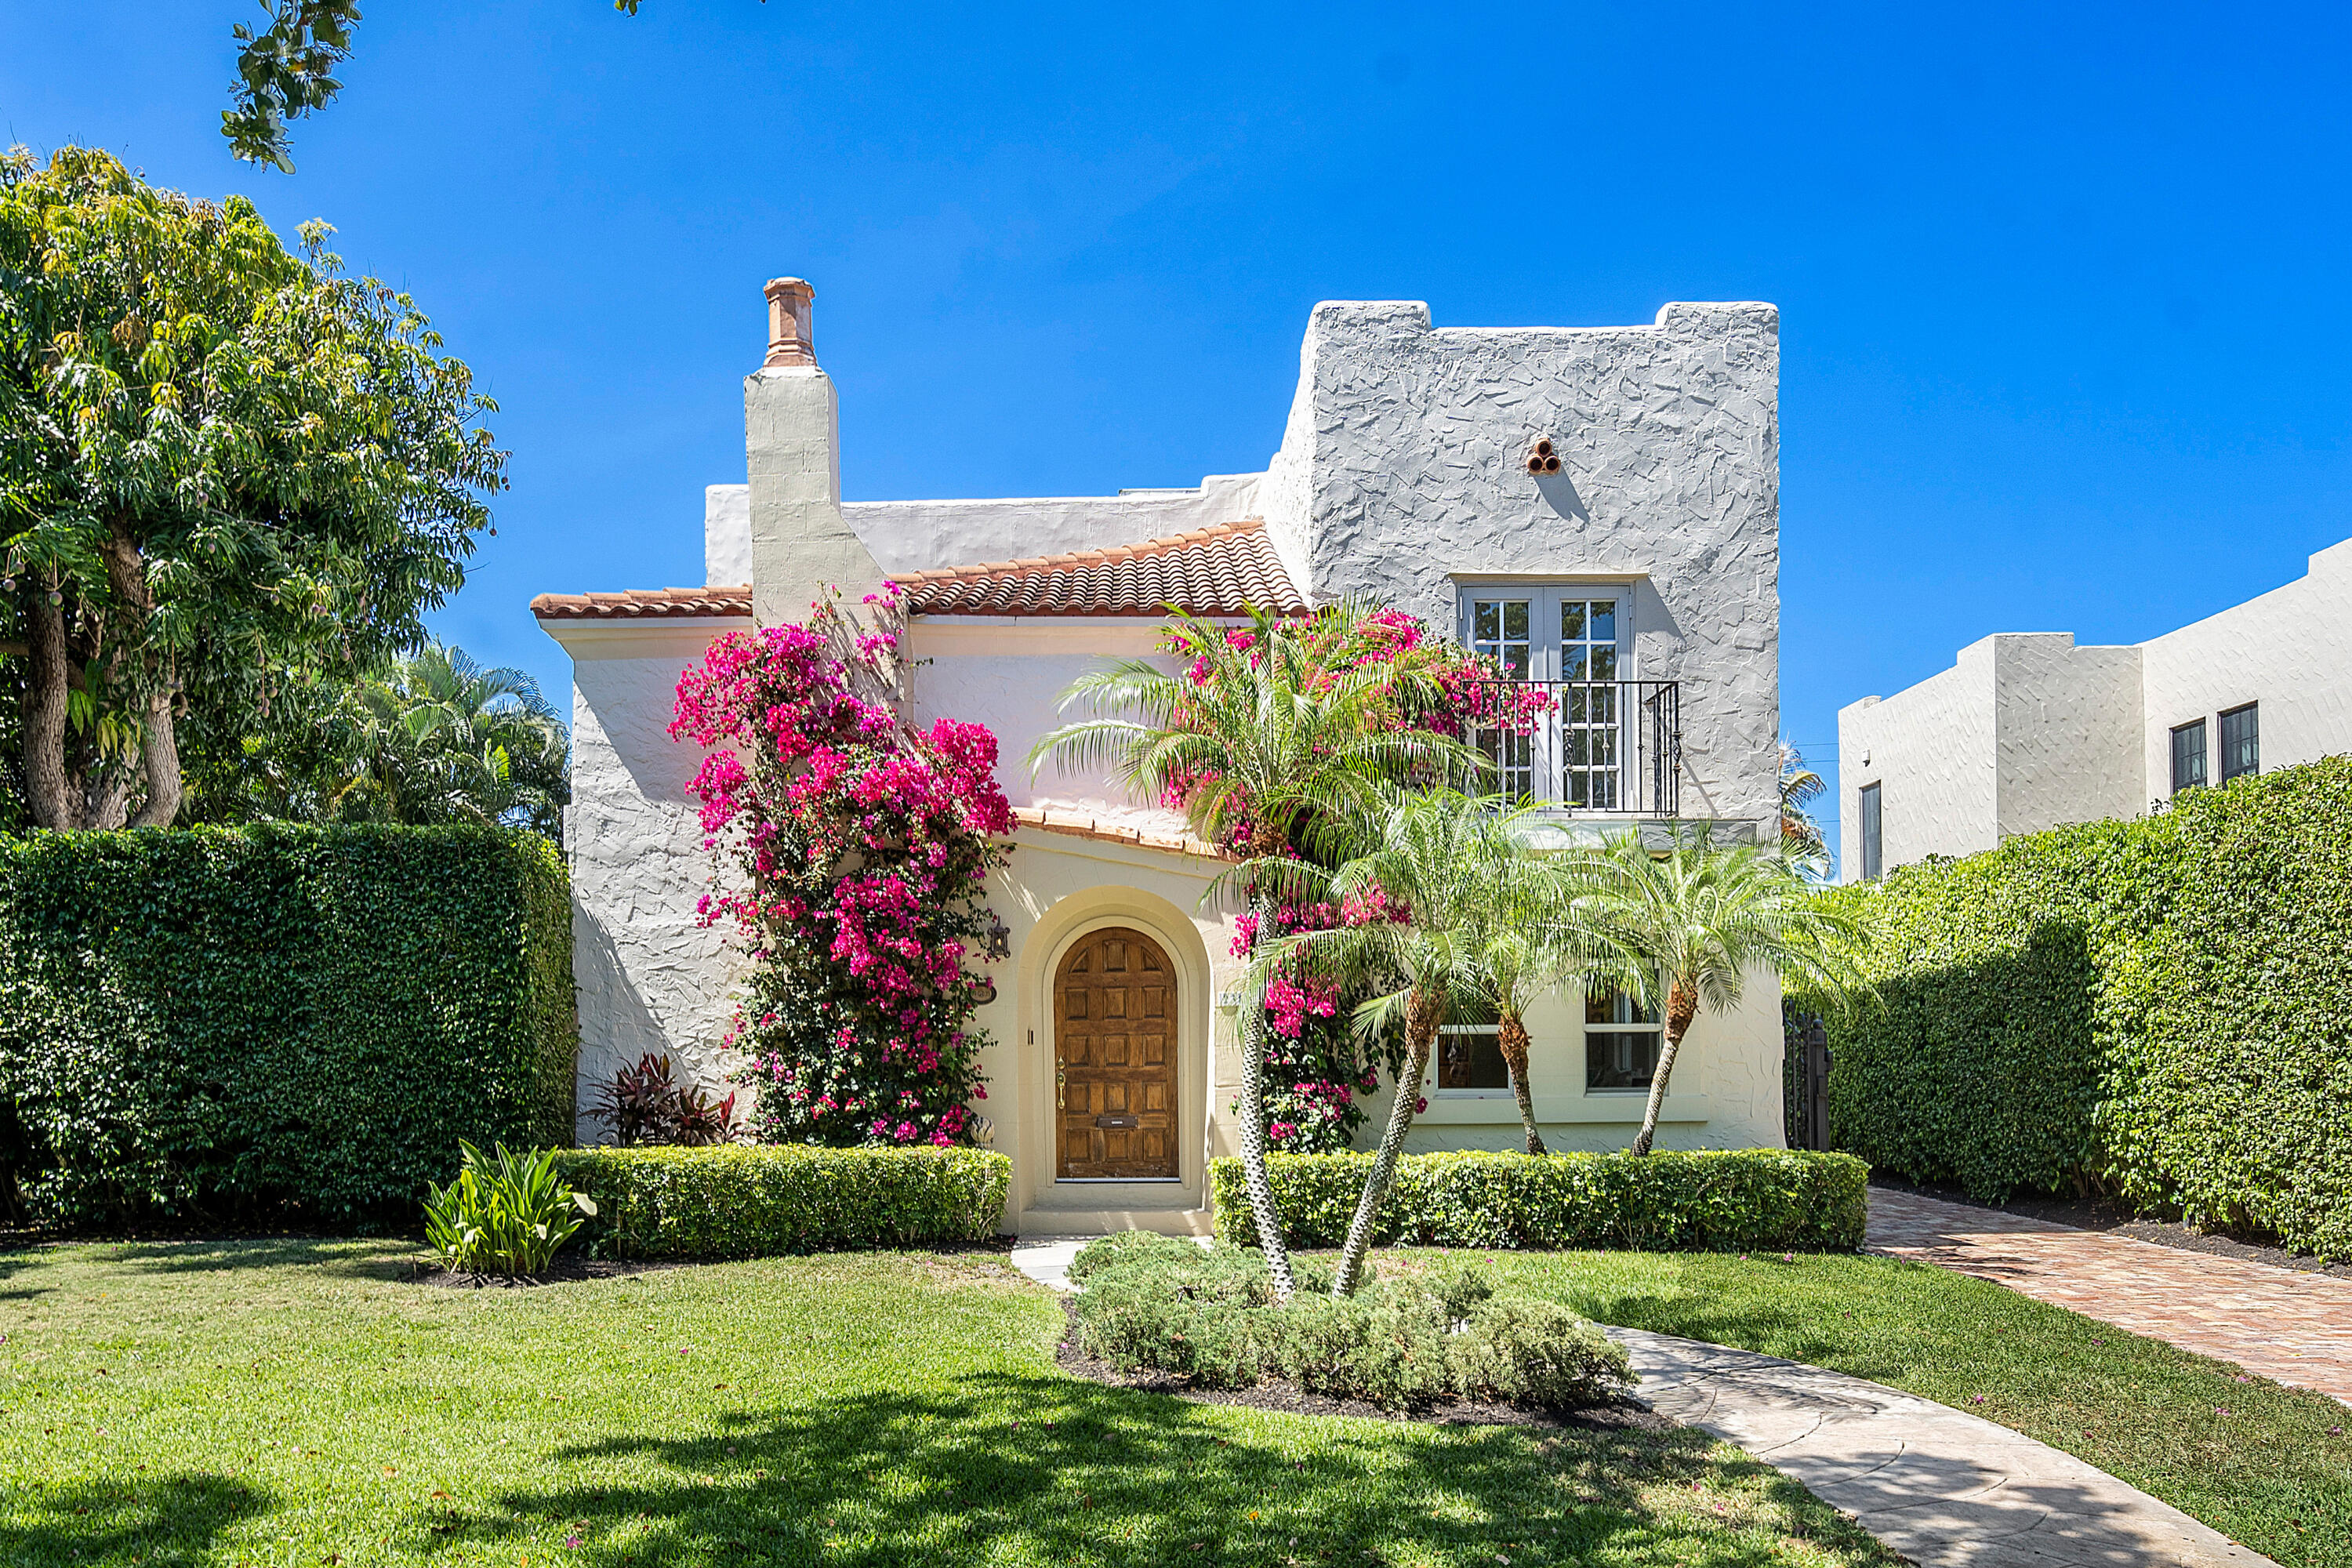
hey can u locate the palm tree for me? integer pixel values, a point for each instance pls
(1261, 738)
(1537, 934)
(1702, 917)
(442, 738)
(1428, 862)
(1800, 835)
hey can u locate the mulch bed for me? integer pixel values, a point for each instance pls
(2106, 1213)
(1614, 1415)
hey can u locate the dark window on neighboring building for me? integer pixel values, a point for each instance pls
(2188, 756)
(2241, 743)
(1621, 1042)
(1873, 858)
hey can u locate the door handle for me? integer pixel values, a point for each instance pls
(1060, 1103)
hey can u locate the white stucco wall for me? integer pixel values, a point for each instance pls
(1930, 751)
(2290, 649)
(2067, 727)
(649, 977)
(1401, 475)
(2029, 730)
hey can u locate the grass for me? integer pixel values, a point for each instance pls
(2268, 1466)
(304, 1403)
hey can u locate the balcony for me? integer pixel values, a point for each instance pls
(1610, 748)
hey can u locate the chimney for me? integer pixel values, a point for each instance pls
(790, 305)
(800, 542)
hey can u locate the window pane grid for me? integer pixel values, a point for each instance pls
(1589, 717)
(1621, 1040)
(2188, 756)
(2241, 742)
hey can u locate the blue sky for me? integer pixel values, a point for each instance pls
(2065, 322)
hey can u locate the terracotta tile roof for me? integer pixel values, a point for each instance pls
(1216, 571)
(645, 604)
(1079, 824)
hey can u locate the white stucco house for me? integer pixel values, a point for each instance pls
(1644, 570)
(2028, 731)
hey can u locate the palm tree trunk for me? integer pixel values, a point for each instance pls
(1511, 1034)
(1421, 1016)
(1681, 1006)
(1260, 1186)
(1253, 1116)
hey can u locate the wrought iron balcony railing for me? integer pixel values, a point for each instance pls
(1602, 746)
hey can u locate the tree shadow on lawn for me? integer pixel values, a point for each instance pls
(350, 1257)
(1007, 1467)
(168, 1521)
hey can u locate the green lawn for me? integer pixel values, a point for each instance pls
(301, 1402)
(2269, 1466)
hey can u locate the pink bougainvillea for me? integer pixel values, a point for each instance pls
(852, 850)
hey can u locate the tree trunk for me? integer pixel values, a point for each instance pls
(1681, 1006)
(159, 745)
(55, 803)
(1420, 1017)
(1261, 1186)
(1511, 1034)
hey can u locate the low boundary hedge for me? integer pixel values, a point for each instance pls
(201, 1023)
(1711, 1201)
(748, 1201)
(2160, 1009)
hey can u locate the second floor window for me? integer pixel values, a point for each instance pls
(2188, 756)
(1874, 852)
(2241, 743)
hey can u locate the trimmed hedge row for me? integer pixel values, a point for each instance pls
(743, 1201)
(2160, 1009)
(1711, 1201)
(274, 1019)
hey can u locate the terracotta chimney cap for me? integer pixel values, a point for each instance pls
(791, 307)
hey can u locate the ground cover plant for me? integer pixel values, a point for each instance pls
(304, 1403)
(2267, 1466)
(1162, 1304)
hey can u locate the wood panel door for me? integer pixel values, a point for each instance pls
(1115, 1058)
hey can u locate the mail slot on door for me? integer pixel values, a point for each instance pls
(1119, 1122)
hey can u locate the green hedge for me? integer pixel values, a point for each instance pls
(740, 1201)
(2161, 1008)
(1721, 1201)
(211, 1023)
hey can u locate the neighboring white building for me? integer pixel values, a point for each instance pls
(2028, 731)
(1646, 567)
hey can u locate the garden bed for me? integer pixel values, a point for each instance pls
(1619, 1415)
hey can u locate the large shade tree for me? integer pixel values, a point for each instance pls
(1262, 734)
(225, 468)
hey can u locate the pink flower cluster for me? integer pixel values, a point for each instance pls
(861, 847)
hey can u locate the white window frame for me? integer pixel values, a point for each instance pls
(1542, 758)
(1589, 1028)
(1508, 1091)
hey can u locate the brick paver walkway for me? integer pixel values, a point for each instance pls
(2274, 1322)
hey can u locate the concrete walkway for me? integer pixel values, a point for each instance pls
(1939, 1486)
(1944, 1489)
(2274, 1322)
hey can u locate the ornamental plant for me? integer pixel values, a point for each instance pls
(1263, 735)
(859, 847)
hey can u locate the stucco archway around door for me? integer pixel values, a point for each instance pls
(1037, 1185)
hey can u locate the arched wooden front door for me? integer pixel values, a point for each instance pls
(1115, 1058)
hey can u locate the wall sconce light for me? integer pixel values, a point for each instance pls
(1541, 458)
(1230, 1002)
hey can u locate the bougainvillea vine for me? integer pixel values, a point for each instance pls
(851, 852)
